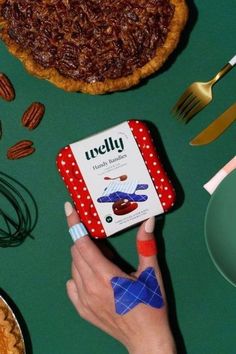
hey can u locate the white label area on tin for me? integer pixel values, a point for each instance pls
(117, 178)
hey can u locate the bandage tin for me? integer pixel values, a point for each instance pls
(116, 178)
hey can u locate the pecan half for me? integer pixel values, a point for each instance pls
(21, 149)
(33, 115)
(7, 91)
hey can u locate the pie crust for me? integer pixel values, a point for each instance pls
(10, 335)
(175, 27)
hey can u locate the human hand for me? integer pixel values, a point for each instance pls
(144, 329)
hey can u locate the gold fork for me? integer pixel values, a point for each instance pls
(199, 95)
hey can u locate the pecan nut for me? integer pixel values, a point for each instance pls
(33, 115)
(7, 91)
(21, 149)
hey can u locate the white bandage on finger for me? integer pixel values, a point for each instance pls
(77, 231)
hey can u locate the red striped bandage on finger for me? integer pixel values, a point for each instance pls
(147, 248)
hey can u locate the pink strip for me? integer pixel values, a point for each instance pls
(220, 175)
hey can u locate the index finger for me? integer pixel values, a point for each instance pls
(86, 247)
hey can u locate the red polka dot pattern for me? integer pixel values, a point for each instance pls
(77, 188)
(159, 177)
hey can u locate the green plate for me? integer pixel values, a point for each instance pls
(220, 228)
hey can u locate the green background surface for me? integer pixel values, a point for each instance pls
(202, 303)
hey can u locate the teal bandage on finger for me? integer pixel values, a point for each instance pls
(77, 231)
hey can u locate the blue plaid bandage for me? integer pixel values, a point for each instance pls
(77, 231)
(129, 293)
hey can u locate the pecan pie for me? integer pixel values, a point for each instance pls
(93, 46)
(10, 335)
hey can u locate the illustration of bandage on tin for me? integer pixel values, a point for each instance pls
(123, 194)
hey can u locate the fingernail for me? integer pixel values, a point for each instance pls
(68, 283)
(150, 225)
(68, 208)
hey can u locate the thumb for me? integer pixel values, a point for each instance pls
(146, 245)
